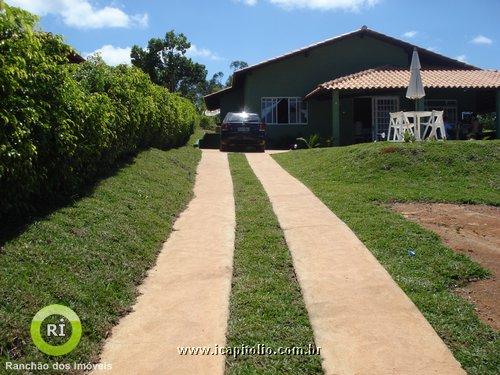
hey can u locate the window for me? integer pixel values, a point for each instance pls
(284, 110)
(449, 106)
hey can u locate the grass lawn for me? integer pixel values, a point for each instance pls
(91, 255)
(356, 181)
(266, 303)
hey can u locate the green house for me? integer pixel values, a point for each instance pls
(344, 88)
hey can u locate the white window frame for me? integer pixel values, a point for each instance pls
(298, 99)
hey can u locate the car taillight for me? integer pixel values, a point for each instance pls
(224, 127)
(262, 127)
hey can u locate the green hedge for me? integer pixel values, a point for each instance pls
(62, 124)
(209, 123)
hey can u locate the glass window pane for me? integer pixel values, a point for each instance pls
(282, 111)
(303, 112)
(275, 111)
(293, 111)
(267, 106)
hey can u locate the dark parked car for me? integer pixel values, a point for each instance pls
(242, 129)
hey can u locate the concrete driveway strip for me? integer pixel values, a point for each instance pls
(362, 320)
(184, 300)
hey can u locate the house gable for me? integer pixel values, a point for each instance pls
(299, 74)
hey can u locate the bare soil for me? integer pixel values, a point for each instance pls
(473, 230)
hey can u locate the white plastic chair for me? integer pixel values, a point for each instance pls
(398, 125)
(393, 132)
(436, 126)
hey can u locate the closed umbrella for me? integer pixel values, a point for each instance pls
(415, 89)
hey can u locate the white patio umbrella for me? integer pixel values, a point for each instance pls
(415, 89)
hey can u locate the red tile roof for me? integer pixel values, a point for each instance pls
(393, 78)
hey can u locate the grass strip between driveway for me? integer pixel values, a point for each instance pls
(266, 305)
(356, 182)
(91, 255)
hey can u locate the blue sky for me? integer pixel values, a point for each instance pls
(254, 30)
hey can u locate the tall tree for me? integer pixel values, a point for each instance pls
(234, 66)
(166, 63)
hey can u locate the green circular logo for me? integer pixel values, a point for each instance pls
(56, 330)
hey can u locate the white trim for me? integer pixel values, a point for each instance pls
(299, 102)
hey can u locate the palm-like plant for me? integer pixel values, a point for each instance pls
(311, 142)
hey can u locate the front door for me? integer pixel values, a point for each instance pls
(382, 106)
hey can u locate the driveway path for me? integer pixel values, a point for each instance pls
(362, 320)
(184, 300)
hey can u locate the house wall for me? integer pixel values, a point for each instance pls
(233, 101)
(466, 99)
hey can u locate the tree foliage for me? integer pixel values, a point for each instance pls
(215, 83)
(166, 63)
(238, 65)
(234, 66)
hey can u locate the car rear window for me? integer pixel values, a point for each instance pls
(242, 117)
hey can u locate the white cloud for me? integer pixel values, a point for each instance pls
(410, 34)
(462, 58)
(349, 5)
(81, 14)
(481, 39)
(112, 55)
(205, 53)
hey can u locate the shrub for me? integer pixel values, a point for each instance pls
(313, 141)
(408, 137)
(208, 122)
(61, 125)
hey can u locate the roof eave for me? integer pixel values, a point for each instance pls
(322, 90)
(316, 92)
(212, 101)
(410, 46)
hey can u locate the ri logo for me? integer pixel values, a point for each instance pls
(56, 330)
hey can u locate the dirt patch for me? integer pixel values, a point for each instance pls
(473, 230)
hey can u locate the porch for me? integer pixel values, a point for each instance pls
(361, 103)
